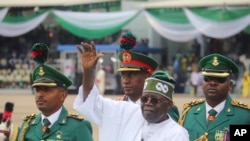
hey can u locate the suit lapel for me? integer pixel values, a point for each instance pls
(200, 115)
(37, 125)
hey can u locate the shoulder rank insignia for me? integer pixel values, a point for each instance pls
(240, 104)
(192, 103)
(28, 117)
(75, 116)
(187, 107)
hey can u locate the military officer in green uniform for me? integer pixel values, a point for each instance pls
(210, 119)
(54, 123)
(135, 68)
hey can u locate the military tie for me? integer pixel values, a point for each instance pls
(211, 116)
(45, 127)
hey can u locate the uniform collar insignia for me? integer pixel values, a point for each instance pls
(198, 109)
(63, 121)
(33, 122)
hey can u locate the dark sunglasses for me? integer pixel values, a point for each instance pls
(217, 79)
(152, 100)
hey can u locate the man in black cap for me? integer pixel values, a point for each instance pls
(210, 119)
(54, 122)
(125, 121)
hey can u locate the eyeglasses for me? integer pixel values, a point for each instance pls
(217, 79)
(153, 100)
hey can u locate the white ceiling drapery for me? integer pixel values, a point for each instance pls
(175, 32)
(214, 22)
(17, 29)
(215, 29)
(94, 25)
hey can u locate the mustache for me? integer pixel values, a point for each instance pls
(148, 109)
(41, 100)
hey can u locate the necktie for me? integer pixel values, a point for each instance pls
(45, 127)
(211, 116)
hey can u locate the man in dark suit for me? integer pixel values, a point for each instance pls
(211, 118)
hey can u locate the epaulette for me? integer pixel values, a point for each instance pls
(192, 103)
(240, 104)
(187, 107)
(28, 117)
(75, 116)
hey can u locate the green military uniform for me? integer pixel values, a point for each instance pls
(68, 127)
(216, 70)
(194, 119)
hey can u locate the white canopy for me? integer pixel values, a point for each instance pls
(178, 24)
(193, 3)
(31, 3)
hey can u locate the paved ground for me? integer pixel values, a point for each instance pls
(24, 103)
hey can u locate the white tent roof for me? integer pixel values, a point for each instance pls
(31, 3)
(150, 4)
(194, 3)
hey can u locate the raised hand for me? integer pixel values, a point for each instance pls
(89, 59)
(89, 56)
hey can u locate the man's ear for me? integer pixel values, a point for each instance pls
(147, 75)
(64, 92)
(231, 85)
